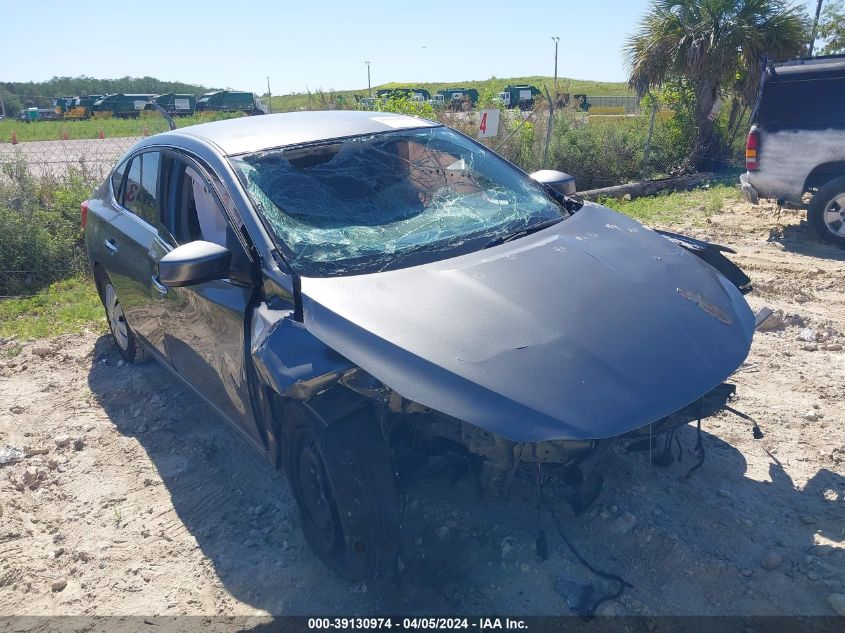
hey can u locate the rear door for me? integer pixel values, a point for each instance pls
(131, 234)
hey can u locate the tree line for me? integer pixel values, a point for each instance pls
(18, 95)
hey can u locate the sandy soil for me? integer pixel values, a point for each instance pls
(143, 502)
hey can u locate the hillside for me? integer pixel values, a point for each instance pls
(17, 95)
(320, 97)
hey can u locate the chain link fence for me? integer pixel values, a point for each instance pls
(41, 187)
(43, 182)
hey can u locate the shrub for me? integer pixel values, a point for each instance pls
(40, 232)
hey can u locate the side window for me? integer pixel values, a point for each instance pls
(200, 215)
(194, 212)
(117, 179)
(140, 190)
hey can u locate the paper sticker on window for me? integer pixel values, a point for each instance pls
(400, 122)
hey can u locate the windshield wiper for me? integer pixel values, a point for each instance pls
(516, 234)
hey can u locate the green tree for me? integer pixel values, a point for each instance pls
(832, 28)
(717, 47)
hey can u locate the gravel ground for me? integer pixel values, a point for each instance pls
(137, 499)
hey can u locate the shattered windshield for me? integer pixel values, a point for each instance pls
(389, 200)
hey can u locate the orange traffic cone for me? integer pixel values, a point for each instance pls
(146, 131)
(100, 135)
(14, 138)
(64, 135)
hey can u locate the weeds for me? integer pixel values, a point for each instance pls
(680, 207)
(111, 127)
(65, 307)
(40, 226)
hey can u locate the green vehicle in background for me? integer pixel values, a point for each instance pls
(231, 101)
(413, 94)
(521, 97)
(75, 108)
(175, 104)
(459, 98)
(121, 106)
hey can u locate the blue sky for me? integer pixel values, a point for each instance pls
(310, 44)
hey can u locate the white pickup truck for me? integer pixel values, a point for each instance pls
(796, 147)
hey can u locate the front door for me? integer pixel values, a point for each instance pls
(202, 326)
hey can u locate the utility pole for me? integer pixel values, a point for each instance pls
(815, 27)
(369, 87)
(556, 40)
(269, 96)
(2, 107)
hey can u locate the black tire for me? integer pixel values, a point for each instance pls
(346, 489)
(826, 213)
(124, 338)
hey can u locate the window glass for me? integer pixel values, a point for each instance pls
(193, 211)
(199, 215)
(374, 202)
(117, 179)
(140, 189)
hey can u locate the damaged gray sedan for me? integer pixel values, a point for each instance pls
(352, 290)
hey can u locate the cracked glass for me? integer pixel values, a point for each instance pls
(395, 199)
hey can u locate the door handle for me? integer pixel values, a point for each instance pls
(111, 245)
(162, 289)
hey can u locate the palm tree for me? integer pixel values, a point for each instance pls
(715, 45)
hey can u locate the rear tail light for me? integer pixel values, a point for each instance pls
(752, 151)
(83, 210)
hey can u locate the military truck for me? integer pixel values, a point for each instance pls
(521, 97)
(230, 101)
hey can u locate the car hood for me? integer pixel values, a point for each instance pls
(585, 330)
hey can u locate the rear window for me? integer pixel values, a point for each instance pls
(140, 190)
(802, 102)
(117, 180)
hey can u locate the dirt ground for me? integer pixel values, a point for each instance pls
(143, 502)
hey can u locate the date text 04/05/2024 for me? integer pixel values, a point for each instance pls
(421, 623)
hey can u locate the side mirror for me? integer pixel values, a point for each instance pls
(557, 180)
(194, 263)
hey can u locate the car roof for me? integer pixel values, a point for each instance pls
(255, 133)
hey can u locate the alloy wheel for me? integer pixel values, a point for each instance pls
(117, 320)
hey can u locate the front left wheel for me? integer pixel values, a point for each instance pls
(343, 481)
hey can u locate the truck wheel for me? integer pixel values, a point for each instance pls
(826, 213)
(346, 489)
(124, 338)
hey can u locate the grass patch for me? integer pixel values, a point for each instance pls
(64, 307)
(677, 207)
(111, 127)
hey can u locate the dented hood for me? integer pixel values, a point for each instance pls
(585, 330)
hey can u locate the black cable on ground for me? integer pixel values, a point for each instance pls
(699, 448)
(598, 572)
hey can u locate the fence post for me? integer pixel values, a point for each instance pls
(647, 148)
(548, 128)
